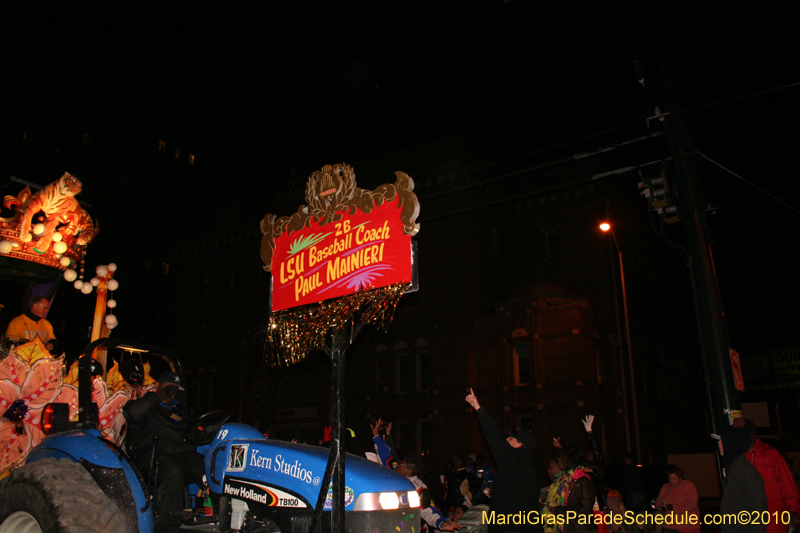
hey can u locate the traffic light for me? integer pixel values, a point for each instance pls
(660, 198)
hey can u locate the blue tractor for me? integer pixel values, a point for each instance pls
(76, 480)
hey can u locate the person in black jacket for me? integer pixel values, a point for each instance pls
(515, 491)
(158, 427)
(580, 497)
(598, 465)
(744, 488)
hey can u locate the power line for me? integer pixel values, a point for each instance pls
(747, 182)
(759, 93)
(574, 157)
(544, 190)
(637, 123)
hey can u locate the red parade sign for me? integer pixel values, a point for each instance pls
(344, 240)
(360, 251)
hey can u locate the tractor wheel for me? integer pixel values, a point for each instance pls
(224, 514)
(51, 496)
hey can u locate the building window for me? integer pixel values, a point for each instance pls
(553, 239)
(191, 159)
(521, 346)
(525, 421)
(162, 146)
(424, 437)
(178, 153)
(423, 370)
(382, 361)
(403, 380)
(403, 374)
(423, 365)
(402, 436)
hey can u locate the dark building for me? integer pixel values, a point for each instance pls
(516, 300)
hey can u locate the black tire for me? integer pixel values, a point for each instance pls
(224, 514)
(60, 496)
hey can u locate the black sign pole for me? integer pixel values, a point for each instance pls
(341, 338)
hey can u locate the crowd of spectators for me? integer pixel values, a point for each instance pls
(579, 483)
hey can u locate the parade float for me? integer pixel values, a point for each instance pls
(43, 241)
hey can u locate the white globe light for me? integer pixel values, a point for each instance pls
(69, 274)
(57, 237)
(65, 261)
(6, 247)
(110, 319)
(102, 271)
(113, 285)
(38, 229)
(111, 326)
(111, 304)
(95, 282)
(112, 267)
(86, 289)
(59, 247)
(79, 284)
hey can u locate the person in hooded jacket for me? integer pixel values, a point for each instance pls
(782, 493)
(161, 437)
(516, 486)
(743, 488)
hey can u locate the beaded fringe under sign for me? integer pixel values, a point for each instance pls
(294, 333)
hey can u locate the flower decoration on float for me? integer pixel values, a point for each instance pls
(30, 378)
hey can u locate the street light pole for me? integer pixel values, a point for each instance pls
(634, 402)
(625, 411)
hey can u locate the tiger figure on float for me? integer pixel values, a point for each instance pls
(57, 201)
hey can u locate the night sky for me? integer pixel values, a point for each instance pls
(313, 85)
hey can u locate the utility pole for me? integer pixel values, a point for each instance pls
(724, 399)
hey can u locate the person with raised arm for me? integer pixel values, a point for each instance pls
(515, 491)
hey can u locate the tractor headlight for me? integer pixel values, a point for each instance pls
(389, 500)
(376, 501)
(413, 498)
